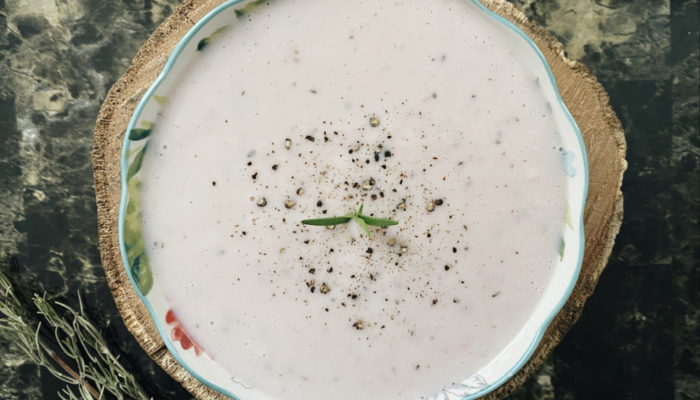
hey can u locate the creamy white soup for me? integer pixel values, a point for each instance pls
(424, 112)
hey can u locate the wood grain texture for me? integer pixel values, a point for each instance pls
(584, 96)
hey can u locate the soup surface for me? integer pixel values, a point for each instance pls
(425, 112)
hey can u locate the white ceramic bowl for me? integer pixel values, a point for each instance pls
(492, 375)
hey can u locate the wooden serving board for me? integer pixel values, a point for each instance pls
(583, 95)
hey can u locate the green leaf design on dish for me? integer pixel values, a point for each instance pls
(135, 164)
(139, 133)
(202, 44)
(133, 239)
(250, 7)
(568, 217)
(562, 247)
(141, 271)
(160, 99)
(205, 42)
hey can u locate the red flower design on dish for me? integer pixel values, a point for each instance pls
(178, 333)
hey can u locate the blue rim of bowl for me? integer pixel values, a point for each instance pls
(124, 195)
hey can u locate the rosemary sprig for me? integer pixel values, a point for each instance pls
(371, 221)
(327, 221)
(83, 359)
(363, 220)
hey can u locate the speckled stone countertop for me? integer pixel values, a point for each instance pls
(639, 335)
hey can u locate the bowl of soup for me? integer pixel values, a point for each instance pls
(438, 115)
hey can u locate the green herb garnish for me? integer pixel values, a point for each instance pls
(363, 220)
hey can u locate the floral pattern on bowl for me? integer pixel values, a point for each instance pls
(178, 333)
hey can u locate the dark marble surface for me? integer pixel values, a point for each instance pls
(639, 336)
